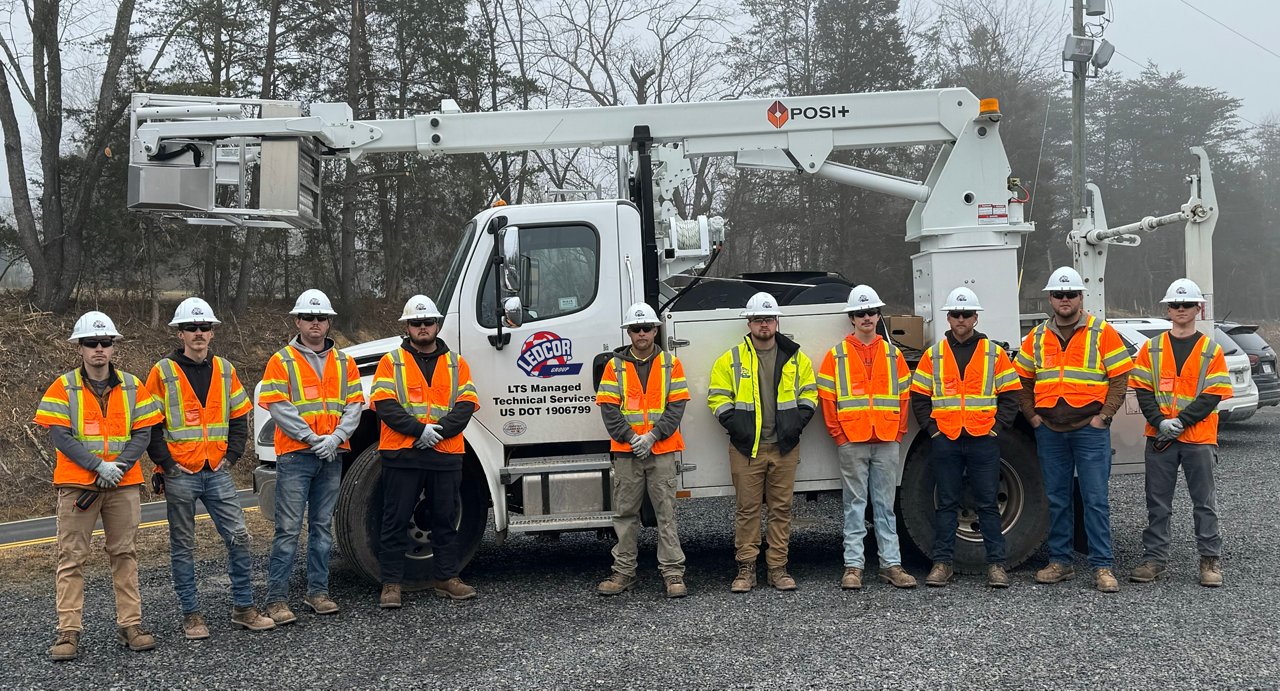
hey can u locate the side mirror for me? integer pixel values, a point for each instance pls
(513, 312)
(509, 242)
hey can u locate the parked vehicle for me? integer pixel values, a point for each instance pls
(1262, 358)
(1244, 393)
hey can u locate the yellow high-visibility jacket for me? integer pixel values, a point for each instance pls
(735, 389)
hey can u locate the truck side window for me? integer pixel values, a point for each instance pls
(561, 270)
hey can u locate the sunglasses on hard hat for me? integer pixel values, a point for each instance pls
(962, 314)
(1184, 305)
(641, 328)
(1064, 294)
(419, 323)
(92, 343)
(314, 317)
(864, 313)
(197, 327)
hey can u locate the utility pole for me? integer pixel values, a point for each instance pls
(1078, 70)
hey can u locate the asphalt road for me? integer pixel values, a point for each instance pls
(537, 623)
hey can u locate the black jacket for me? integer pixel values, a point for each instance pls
(393, 415)
(788, 424)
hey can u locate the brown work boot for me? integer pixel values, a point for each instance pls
(1055, 572)
(280, 613)
(616, 584)
(250, 618)
(897, 577)
(1147, 571)
(321, 604)
(454, 589)
(746, 578)
(997, 577)
(676, 586)
(1210, 572)
(939, 575)
(780, 579)
(193, 627)
(1105, 581)
(66, 647)
(852, 578)
(136, 637)
(390, 598)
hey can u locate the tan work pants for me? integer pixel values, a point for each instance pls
(633, 477)
(769, 479)
(120, 510)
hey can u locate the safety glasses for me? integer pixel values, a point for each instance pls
(863, 313)
(419, 323)
(762, 320)
(641, 328)
(203, 328)
(1184, 305)
(962, 314)
(314, 317)
(93, 343)
(1064, 294)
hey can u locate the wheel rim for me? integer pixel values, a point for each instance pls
(420, 538)
(1009, 501)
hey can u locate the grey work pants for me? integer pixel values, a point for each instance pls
(1197, 461)
(632, 477)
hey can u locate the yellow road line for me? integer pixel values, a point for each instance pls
(97, 533)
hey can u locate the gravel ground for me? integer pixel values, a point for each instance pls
(538, 623)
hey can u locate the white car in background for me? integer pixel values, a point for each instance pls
(1244, 393)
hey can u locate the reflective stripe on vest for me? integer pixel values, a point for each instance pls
(312, 407)
(876, 400)
(423, 410)
(176, 428)
(111, 446)
(1093, 371)
(642, 416)
(986, 399)
(1171, 401)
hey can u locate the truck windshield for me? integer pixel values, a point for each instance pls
(455, 267)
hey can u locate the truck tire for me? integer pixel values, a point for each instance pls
(1024, 511)
(357, 522)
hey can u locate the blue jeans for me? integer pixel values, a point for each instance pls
(978, 458)
(1084, 453)
(870, 466)
(217, 492)
(303, 483)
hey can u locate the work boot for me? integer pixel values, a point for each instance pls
(136, 637)
(280, 613)
(1146, 572)
(66, 647)
(1105, 581)
(997, 577)
(454, 589)
(616, 584)
(746, 578)
(1055, 572)
(939, 575)
(321, 603)
(852, 578)
(193, 627)
(1210, 572)
(675, 586)
(897, 577)
(250, 618)
(780, 579)
(390, 598)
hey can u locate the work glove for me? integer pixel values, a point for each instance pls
(157, 483)
(327, 447)
(430, 437)
(642, 445)
(1169, 429)
(109, 475)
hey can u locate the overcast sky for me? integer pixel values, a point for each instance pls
(1172, 33)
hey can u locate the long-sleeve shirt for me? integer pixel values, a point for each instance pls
(1006, 402)
(200, 376)
(392, 413)
(618, 427)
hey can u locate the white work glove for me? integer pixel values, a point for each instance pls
(109, 475)
(642, 445)
(1169, 430)
(326, 447)
(430, 437)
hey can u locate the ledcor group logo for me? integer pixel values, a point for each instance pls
(546, 354)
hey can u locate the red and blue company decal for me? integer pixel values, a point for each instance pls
(545, 354)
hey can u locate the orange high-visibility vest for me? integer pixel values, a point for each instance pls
(1078, 374)
(866, 408)
(320, 401)
(195, 432)
(69, 403)
(404, 383)
(642, 406)
(965, 403)
(1204, 371)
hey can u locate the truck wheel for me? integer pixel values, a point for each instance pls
(358, 522)
(1024, 511)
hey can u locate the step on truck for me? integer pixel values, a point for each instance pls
(534, 293)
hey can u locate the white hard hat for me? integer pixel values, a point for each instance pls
(313, 301)
(420, 307)
(94, 325)
(962, 299)
(761, 305)
(863, 297)
(1183, 290)
(193, 311)
(1065, 278)
(640, 314)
